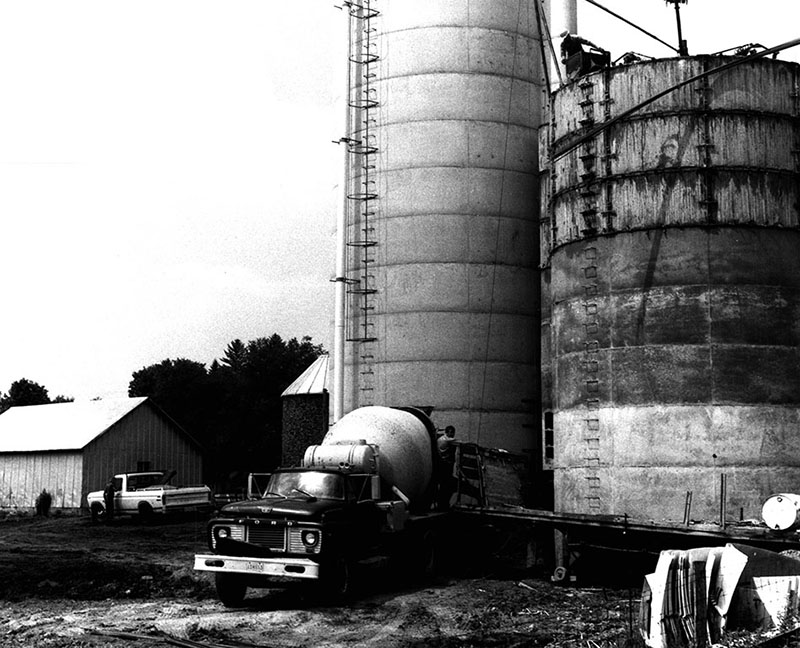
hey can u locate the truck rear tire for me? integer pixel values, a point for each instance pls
(231, 589)
(421, 557)
(145, 512)
(426, 556)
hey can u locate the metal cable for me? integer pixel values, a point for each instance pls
(625, 20)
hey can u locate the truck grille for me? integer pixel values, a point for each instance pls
(270, 537)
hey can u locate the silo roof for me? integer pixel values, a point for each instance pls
(312, 381)
(61, 426)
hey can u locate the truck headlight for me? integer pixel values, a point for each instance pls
(310, 538)
(224, 532)
(304, 540)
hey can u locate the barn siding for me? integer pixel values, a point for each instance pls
(23, 476)
(144, 435)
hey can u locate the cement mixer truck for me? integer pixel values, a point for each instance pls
(361, 499)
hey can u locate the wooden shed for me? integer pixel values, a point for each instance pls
(70, 449)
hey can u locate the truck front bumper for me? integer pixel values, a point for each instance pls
(301, 568)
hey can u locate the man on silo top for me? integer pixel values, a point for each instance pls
(577, 60)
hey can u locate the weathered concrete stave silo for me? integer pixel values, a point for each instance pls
(443, 215)
(674, 290)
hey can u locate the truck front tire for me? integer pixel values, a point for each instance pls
(231, 589)
(337, 581)
(96, 511)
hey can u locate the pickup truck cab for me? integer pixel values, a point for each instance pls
(149, 493)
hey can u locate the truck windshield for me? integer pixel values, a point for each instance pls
(306, 484)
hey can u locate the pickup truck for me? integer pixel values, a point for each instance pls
(149, 493)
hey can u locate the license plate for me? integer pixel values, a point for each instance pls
(254, 566)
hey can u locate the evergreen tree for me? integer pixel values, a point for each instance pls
(233, 408)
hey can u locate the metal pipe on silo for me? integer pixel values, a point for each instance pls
(340, 278)
(563, 16)
(339, 316)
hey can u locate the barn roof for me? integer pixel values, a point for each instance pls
(61, 426)
(312, 380)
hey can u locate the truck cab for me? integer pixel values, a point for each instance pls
(309, 524)
(340, 511)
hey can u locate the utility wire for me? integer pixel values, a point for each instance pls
(625, 20)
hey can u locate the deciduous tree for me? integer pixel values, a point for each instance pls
(28, 392)
(234, 407)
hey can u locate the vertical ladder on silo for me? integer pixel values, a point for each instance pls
(607, 158)
(590, 362)
(704, 149)
(591, 369)
(362, 192)
(588, 159)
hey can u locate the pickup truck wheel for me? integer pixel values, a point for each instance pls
(231, 589)
(145, 511)
(96, 511)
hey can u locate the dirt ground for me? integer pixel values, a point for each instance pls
(65, 582)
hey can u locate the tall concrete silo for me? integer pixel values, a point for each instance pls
(674, 295)
(441, 267)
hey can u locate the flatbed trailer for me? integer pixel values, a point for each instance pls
(573, 534)
(491, 492)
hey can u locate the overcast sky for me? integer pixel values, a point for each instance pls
(168, 181)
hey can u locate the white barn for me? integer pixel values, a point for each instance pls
(70, 449)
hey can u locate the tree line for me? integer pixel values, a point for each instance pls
(28, 392)
(232, 407)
